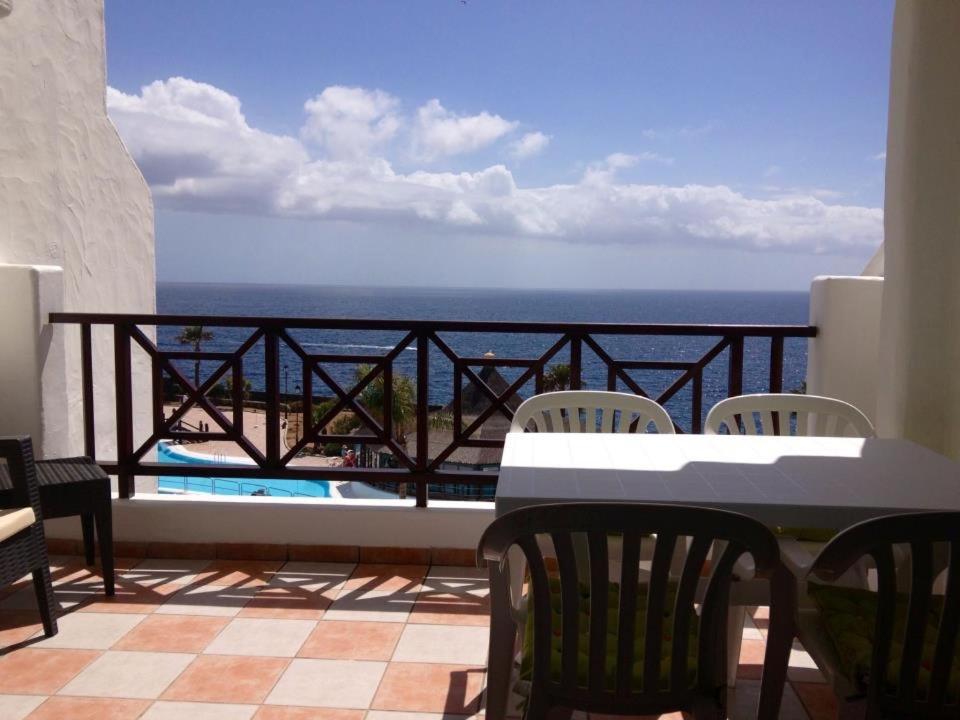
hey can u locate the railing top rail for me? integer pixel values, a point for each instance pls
(480, 326)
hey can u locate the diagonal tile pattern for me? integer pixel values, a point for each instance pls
(264, 640)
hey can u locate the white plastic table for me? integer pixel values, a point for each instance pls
(780, 481)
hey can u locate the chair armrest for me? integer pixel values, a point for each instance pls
(18, 452)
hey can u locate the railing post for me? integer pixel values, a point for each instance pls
(86, 381)
(423, 408)
(735, 368)
(576, 362)
(236, 399)
(271, 364)
(696, 422)
(776, 374)
(124, 398)
(306, 407)
(776, 364)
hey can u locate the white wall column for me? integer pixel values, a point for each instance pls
(71, 197)
(920, 345)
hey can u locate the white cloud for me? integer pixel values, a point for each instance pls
(199, 153)
(879, 156)
(439, 132)
(351, 121)
(195, 147)
(532, 143)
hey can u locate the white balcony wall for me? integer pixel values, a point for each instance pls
(292, 521)
(919, 377)
(70, 197)
(842, 361)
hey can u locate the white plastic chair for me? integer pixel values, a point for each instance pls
(805, 415)
(576, 411)
(816, 416)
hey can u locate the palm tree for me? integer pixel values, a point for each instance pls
(557, 377)
(404, 399)
(194, 335)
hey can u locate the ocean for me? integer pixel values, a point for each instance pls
(624, 306)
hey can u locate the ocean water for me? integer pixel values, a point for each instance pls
(507, 305)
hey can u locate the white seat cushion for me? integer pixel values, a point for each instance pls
(13, 521)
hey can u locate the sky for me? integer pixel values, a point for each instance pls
(488, 143)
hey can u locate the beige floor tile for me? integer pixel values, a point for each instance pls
(17, 707)
(211, 600)
(270, 638)
(164, 710)
(128, 674)
(451, 644)
(90, 631)
(328, 683)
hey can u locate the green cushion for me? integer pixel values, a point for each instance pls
(849, 618)
(820, 535)
(613, 619)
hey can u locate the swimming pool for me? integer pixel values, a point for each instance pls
(275, 487)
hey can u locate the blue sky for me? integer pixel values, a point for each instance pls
(552, 144)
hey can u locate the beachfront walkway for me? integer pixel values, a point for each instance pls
(235, 640)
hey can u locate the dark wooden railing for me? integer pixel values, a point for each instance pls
(271, 338)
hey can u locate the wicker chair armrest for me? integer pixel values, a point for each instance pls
(18, 452)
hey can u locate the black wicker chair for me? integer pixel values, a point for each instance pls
(23, 548)
(890, 650)
(608, 632)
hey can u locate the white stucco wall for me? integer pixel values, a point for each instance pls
(920, 347)
(70, 195)
(842, 361)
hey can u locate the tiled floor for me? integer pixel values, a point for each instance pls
(229, 640)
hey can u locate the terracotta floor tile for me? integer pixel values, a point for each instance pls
(172, 633)
(17, 625)
(385, 578)
(177, 710)
(238, 573)
(287, 602)
(303, 713)
(344, 640)
(160, 571)
(751, 659)
(227, 679)
(61, 708)
(130, 597)
(450, 609)
(818, 700)
(32, 671)
(430, 688)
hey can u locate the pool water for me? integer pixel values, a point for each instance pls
(274, 487)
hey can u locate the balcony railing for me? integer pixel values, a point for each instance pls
(681, 366)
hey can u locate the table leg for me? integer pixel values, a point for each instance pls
(86, 523)
(104, 517)
(503, 635)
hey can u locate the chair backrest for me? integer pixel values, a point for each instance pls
(577, 411)
(606, 598)
(786, 413)
(919, 573)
